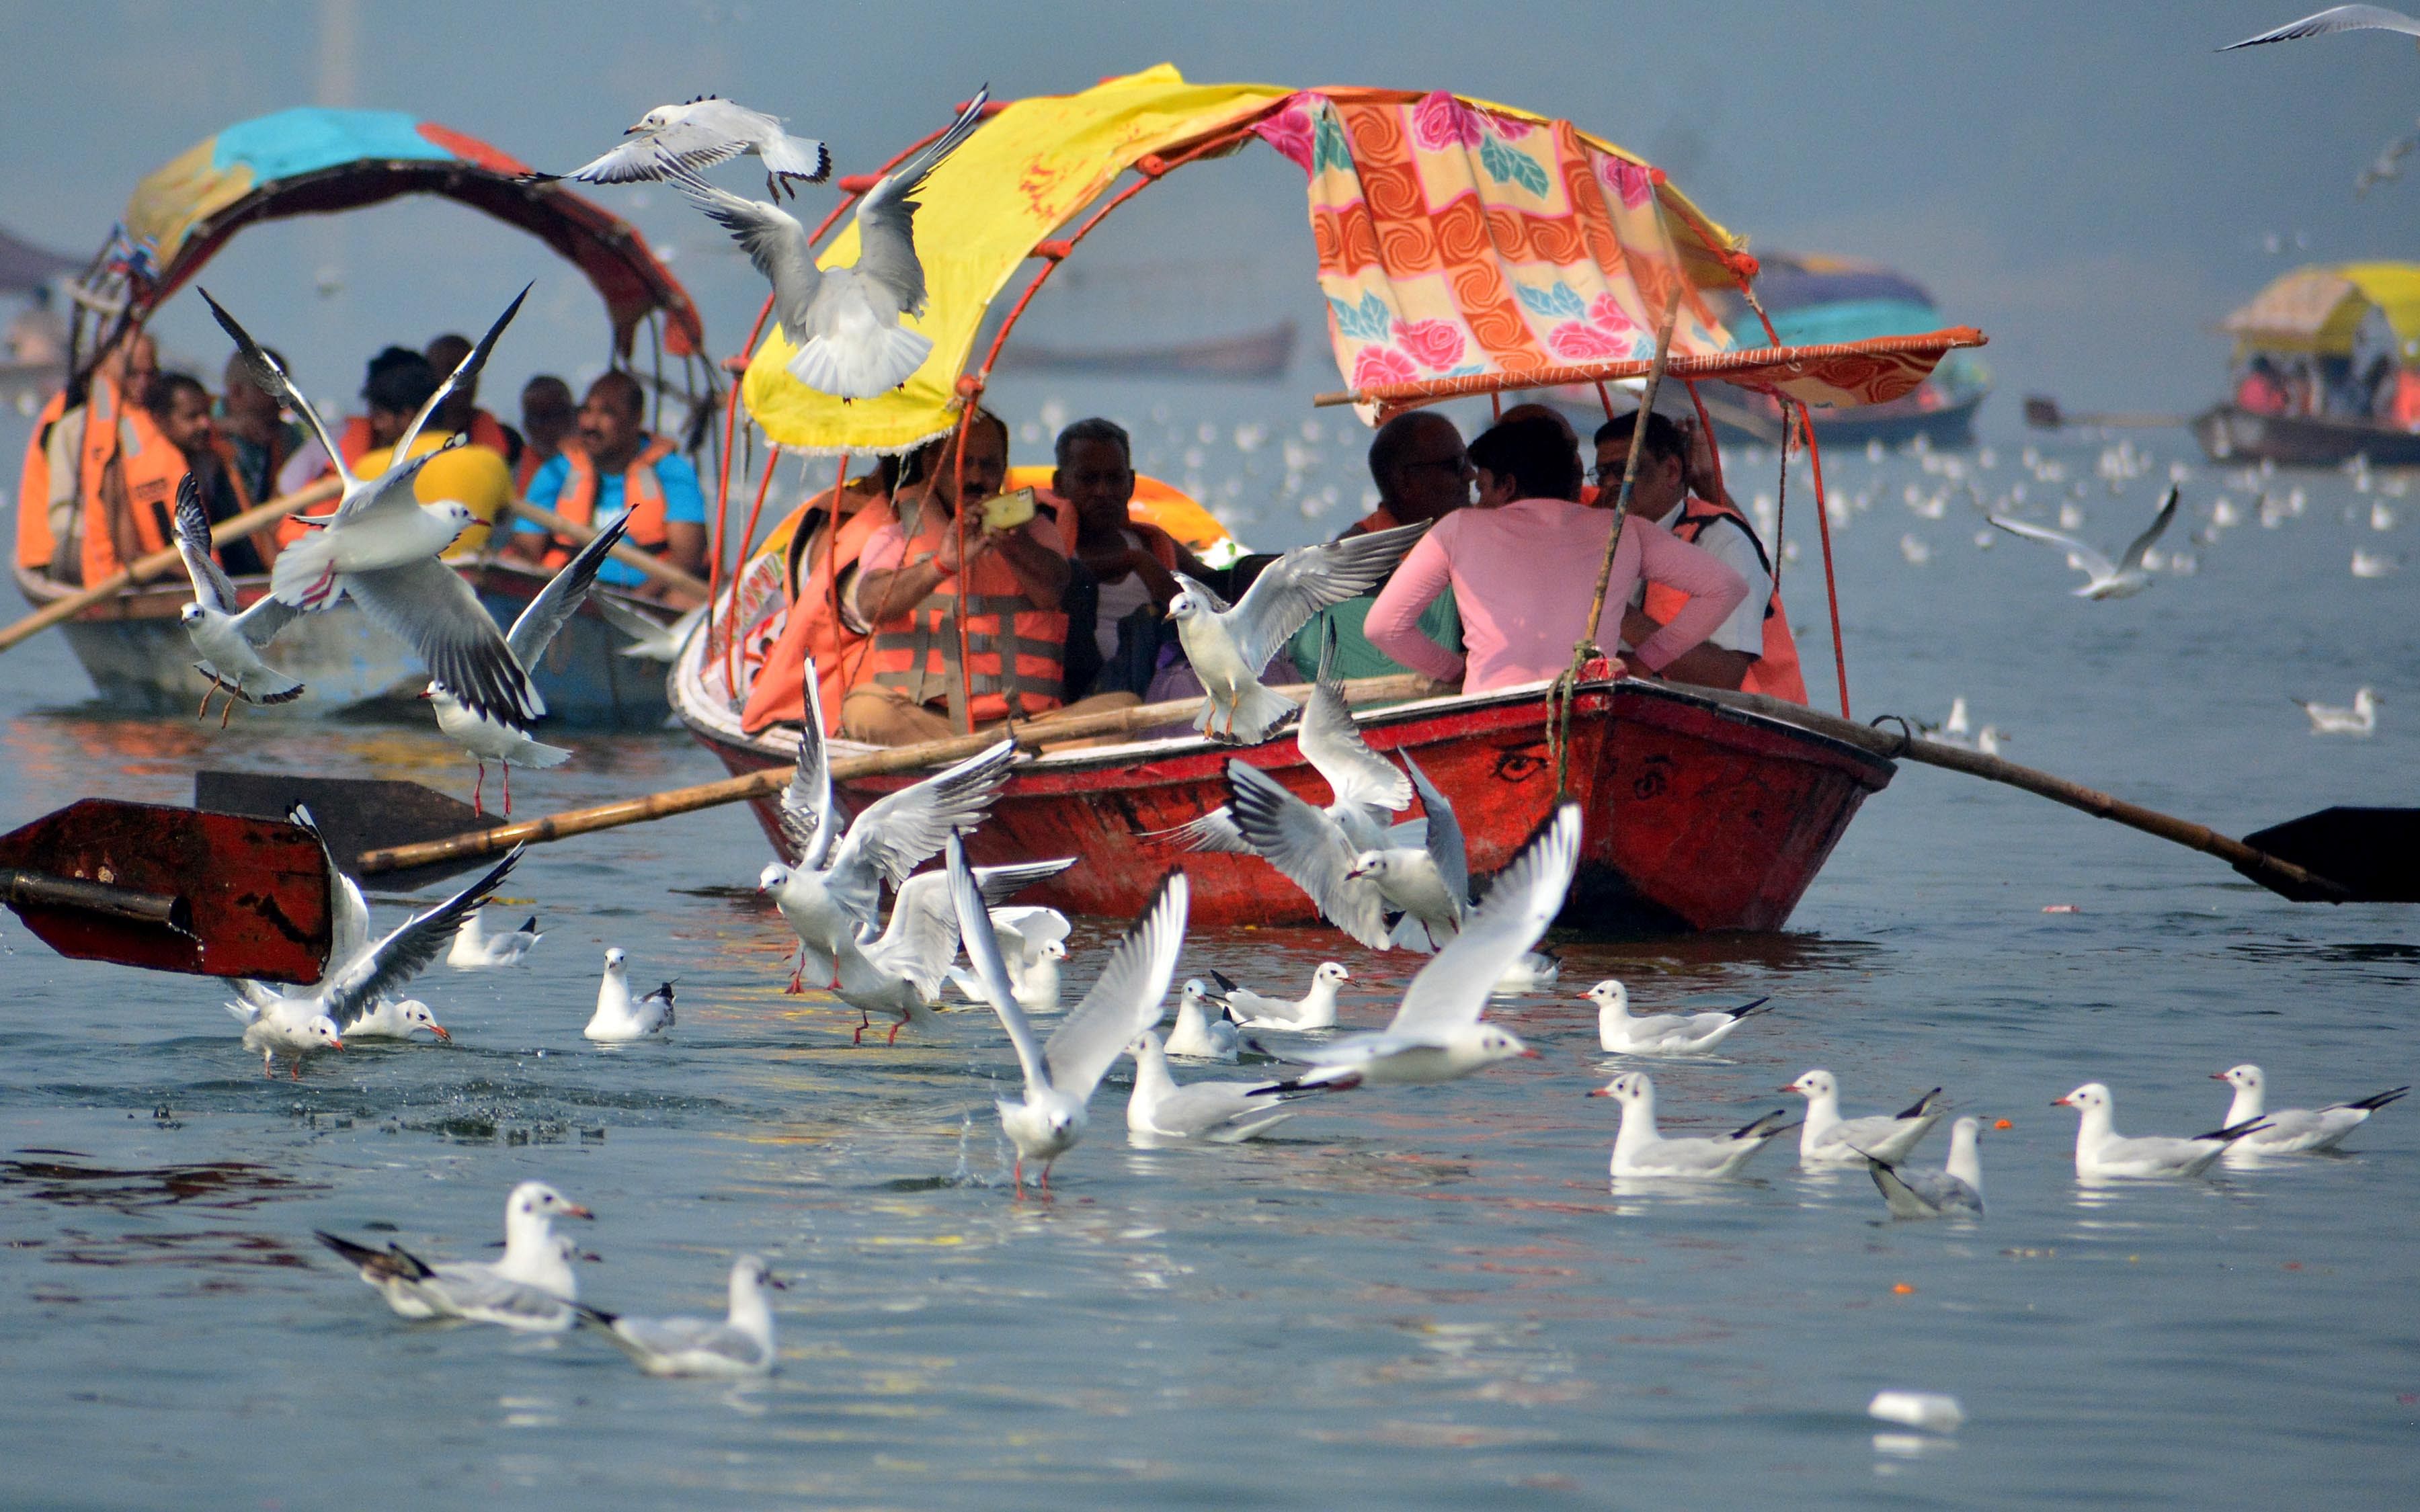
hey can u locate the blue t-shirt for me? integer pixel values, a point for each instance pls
(684, 503)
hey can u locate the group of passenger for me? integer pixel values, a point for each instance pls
(1064, 612)
(99, 485)
(2381, 391)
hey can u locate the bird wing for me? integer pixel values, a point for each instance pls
(643, 158)
(1215, 832)
(2094, 562)
(1444, 840)
(349, 913)
(211, 588)
(1307, 580)
(267, 615)
(1125, 1000)
(406, 952)
(991, 972)
(435, 612)
(885, 218)
(465, 374)
(1035, 926)
(773, 239)
(2141, 543)
(1330, 741)
(2333, 19)
(921, 939)
(270, 377)
(391, 492)
(665, 1336)
(643, 629)
(810, 817)
(1452, 990)
(537, 626)
(901, 830)
(1203, 1107)
(1308, 847)
(1002, 883)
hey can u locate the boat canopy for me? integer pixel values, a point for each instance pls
(312, 161)
(2322, 309)
(1464, 247)
(1813, 300)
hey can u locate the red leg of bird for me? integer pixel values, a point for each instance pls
(476, 788)
(508, 788)
(864, 1021)
(298, 1068)
(227, 708)
(269, 1065)
(796, 972)
(892, 1038)
(204, 712)
(1016, 1174)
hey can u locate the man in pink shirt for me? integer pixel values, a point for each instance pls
(1523, 567)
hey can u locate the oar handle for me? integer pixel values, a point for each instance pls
(1031, 735)
(20, 888)
(2044, 784)
(629, 556)
(235, 528)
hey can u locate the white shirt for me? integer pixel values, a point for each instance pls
(1118, 600)
(1745, 631)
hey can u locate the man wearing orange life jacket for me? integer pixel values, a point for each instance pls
(127, 471)
(821, 557)
(1753, 650)
(181, 410)
(49, 503)
(618, 467)
(913, 685)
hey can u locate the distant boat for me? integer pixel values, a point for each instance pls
(2339, 329)
(1250, 356)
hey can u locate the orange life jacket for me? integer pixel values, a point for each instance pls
(355, 440)
(814, 627)
(1014, 661)
(525, 470)
(1775, 671)
(2402, 410)
(642, 496)
(149, 467)
(34, 542)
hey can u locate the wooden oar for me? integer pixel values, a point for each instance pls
(172, 890)
(2043, 413)
(2308, 860)
(251, 522)
(462, 850)
(629, 556)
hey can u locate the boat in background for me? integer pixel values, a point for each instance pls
(1253, 356)
(2326, 367)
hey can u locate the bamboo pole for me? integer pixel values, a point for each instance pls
(235, 528)
(1030, 733)
(2042, 784)
(629, 556)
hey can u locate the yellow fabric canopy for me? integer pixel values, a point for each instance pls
(2317, 309)
(1012, 183)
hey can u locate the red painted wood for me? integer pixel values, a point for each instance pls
(1698, 817)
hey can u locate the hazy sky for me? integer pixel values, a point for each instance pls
(2091, 185)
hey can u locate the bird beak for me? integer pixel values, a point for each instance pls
(2060, 1103)
(439, 1030)
(425, 693)
(1530, 1055)
(777, 1283)
(630, 131)
(2218, 1075)
(1790, 1086)
(573, 1209)
(1600, 1091)
(337, 1045)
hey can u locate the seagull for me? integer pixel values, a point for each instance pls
(649, 640)
(1639, 1149)
(396, 1021)
(900, 970)
(738, 1345)
(844, 320)
(2386, 168)
(1438, 1034)
(2333, 19)
(491, 739)
(1314, 1010)
(381, 545)
(360, 976)
(228, 641)
(1663, 1034)
(1311, 849)
(619, 1021)
(699, 134)
(1534, 973)
(2122, 579)
(1956, 1188)
(2332, 720)
(1047, 1120)
(475, 950)
(1428, 883)
(1200, 1035)
(1954, 730)
(529, 1290)
(1033, 942)
(2293, 1131)
(1829, 1139)
(1229, 647)
(2375, 564)
(832, 882)
(2103, 1153)
(1218, 1113)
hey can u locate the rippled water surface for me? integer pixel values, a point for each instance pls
(1420, 1297)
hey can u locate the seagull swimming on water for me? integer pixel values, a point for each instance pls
(2122, 579)
(699, 134)
(529, 1290)
(739, 1344)
(1218, 1113)
(1829, 1139)
(2292, 1130)
(474, 949)
(617, 1020)
(1314, 1010)
(1958, 1187)
(2331, 21)
(230, 642)
(845, 321)
(381, 545)
(1641, 1150)
(2102, 1153)
(2335, 719)
(1662, 1034)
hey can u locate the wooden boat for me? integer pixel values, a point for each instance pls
(1252, 356)
(135, 652)
(2230, 433)
(1698, 817)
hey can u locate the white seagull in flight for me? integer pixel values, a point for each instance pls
(230, 642)
(700, 133)
(2331, 21)
(2122, 579)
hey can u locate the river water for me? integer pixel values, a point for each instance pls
(1417, 1297)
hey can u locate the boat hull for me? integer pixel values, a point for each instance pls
(135, 652)
(2228, 433)
(1698, 818)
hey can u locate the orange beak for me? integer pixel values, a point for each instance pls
(2218, 1075)
(336, 1045)
(574, 1210)
(439, 1030)
(1529, 1054)
(1600, 1091)
(2060, 1103)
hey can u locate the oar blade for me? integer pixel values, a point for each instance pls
(2374, 854)
(356, 814)
(250, 896)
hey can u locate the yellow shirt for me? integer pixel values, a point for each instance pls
(473, 474)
